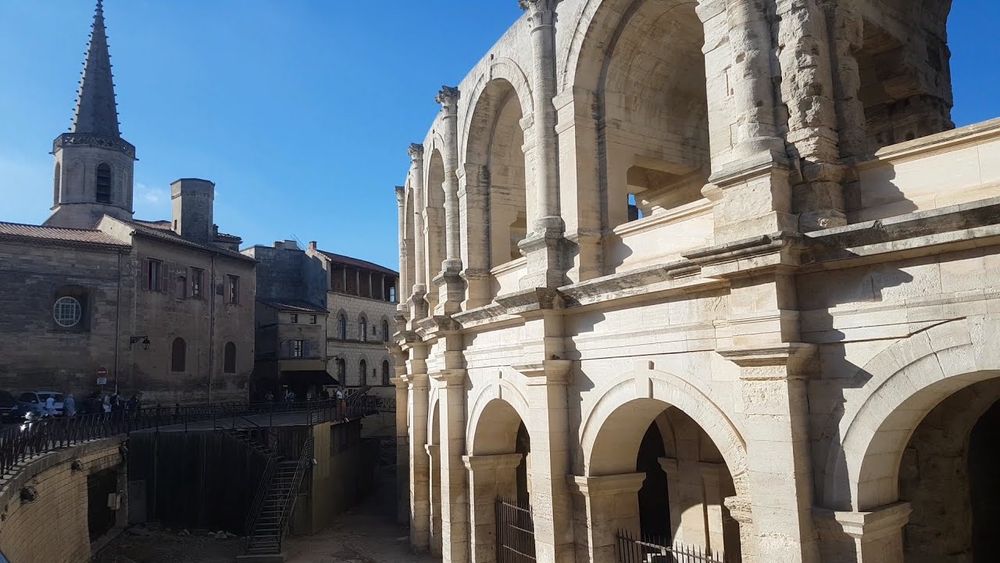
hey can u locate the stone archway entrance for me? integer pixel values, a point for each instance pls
(499, 467)
(656, 475)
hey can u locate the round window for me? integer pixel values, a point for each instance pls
(67, 312)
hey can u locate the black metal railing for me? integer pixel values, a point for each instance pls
(515, 532)
(305, 463)
(21, 442)
(651, 549)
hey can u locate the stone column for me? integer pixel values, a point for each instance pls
(473, 199)
(434, 459)
(542, 246)
(490, 476)
(740, 510)
(548, 425)
(418, 304)
(402, 446)
(874, 536)
(404, 280)
(606, 504)
(454, 494)
(417, 396)
(451, 287)
(711, 477)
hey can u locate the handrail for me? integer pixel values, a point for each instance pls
(258, 500)
(21, 442)
(305, 459)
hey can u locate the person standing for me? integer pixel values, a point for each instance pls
(50, 406)
(69, 405)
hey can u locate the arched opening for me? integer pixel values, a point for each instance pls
(363, 329)
(948, 474)
(178, 355)
(904, 71)
(385, 373)
(434, 221)
(641, 67)
(341, 367)
(362, 373)
(342, 326)
(496, 144)
(385, 330)
(57, 180)
(679, 478)
(500, 468)
(229, 358)
(103, 183)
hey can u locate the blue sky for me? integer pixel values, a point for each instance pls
(299, 110)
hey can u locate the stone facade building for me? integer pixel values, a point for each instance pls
(322, 319)
(161, 307)
(718, 271)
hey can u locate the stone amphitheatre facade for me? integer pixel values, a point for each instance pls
(721, 271)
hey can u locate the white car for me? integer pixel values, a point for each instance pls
(34, 402)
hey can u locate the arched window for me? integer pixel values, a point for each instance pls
(363, 372)
(180, 287)
(385, 330)
(342, 326)
(341, 371)
(178, 355)
(229, 362)
(363, 328)
(385, 372)
(103, 183)
(55, 186)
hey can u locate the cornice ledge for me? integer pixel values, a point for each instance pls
(533, 299)
(795, 355)
(546, 371)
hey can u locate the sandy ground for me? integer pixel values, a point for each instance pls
(365, 534)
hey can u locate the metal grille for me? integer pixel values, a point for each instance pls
(647, 549)
(515, 532)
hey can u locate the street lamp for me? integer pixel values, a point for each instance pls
(144, 340)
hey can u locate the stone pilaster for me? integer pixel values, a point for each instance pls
(404, 244)
(434, 459)
(454, 494)
(449, 283)
(402, 445)
(741, 511)
(603, 506)
(548, 415)
(418, 303)
(417, 404)
(864, 537)
(772, 382)
(542, 246)
(490, 476)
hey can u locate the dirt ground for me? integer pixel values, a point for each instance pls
(365, 534)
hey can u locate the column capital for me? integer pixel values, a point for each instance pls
(869, 525)
(797, 356)
(400, 195)
(624, 483)
(546, 372)
(415, 380)
(416, 152)
(540, 12)
(740, 508)
(486, 462)
(432, 450)
(448, 97)
(450, 377)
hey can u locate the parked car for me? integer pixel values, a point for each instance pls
(33, 402)
(9, 409)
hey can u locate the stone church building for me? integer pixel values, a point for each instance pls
(95, 299)
(721, 273)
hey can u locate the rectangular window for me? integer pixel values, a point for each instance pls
(197, 278)
(295, 318)
(312, 319)
(234, 289)
(153, 274)
(298, 348)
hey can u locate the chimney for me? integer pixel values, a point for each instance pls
(193, 202)
(312, 245)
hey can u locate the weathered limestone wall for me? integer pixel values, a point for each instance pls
(60, 503)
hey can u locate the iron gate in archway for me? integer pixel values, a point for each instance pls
(515, 532)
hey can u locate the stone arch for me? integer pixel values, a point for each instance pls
(905, 382)
(434, 213)
(642, 395)
(501, 391)
(502, 68)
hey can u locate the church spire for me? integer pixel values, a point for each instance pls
(96, 111)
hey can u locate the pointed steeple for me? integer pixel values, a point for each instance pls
(96, 110)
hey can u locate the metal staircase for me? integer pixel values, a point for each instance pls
(269, 516)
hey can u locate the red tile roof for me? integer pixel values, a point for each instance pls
(58, 235)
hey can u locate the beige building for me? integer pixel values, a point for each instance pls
(720, 273)
(96, 300)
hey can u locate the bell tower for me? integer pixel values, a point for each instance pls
(93, 164)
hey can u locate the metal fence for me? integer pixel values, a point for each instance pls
(515, 532)
(651, 549)
(21, 442)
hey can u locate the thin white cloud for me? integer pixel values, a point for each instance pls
(151, 202)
